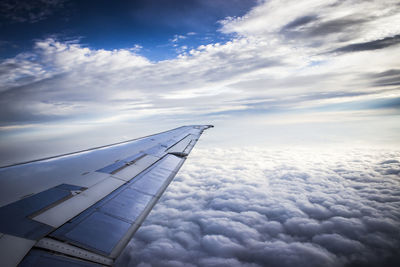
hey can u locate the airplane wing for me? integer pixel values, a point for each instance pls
(81, 209)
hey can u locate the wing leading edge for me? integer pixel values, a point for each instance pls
(81, 209)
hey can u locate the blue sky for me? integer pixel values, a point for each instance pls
(75, 75)
(151, 24)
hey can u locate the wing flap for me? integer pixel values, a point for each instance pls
(58, 215)
(181, 145)
(131, 171)
(120, 212)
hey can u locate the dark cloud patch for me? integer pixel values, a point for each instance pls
(334, 26)
(300, 22)
(372, 45)
(38, 101)
(386, 78)
(258, 207)
(388, 82)
(388, 73)
(310, 27)
(390, 161)
(6, 67)
(390, 166)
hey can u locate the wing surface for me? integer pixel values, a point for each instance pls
(81, 209)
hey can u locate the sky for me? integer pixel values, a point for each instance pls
(263, 72)
(307, 90)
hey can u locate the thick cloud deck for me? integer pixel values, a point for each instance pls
(258, 207)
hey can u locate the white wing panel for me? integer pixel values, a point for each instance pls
(58, 215)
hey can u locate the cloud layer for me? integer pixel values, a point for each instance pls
(265, 207)
(283, 55)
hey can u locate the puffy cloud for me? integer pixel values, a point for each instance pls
(275, 207)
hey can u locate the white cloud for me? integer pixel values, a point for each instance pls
(279, 51)
(275, 207)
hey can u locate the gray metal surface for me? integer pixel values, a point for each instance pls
(60, 214)
(16, 217)
(152, 181)
(181, 145)
(128, 205)
(42, 258)
(119, 165)
(171, 162)
(85, 206)
(131, 171)
(35, 177)
(117, 212)
(99, 231)
(69, 250)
